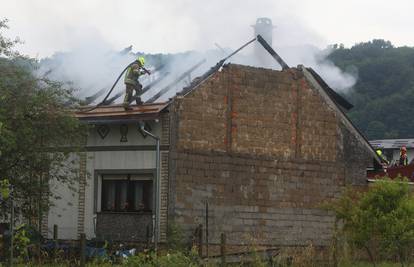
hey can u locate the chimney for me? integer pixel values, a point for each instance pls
(264, 27)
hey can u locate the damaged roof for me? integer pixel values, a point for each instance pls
(334, 101)
(341, 101)
(149, 111)
(392, 143)
(117, 113)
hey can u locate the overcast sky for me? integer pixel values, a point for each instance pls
(160, 26)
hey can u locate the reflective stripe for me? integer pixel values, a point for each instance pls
(131, 76)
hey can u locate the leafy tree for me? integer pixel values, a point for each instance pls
(384, 91)
(38, 131)
(379, 220)
(4, 190)
(376, 129)
(6, 44)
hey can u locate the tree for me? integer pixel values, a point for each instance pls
(38, 132)
(380, 220)
(376, 130)
(384, 90)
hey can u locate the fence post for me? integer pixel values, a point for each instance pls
(207, 230)
(55, 238)
(200, 240)
(11, 228)
(223, 248)
(82, 245)
(335, 245)
(148, 236)
(55, 232)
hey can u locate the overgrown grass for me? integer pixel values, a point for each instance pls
(368, 264)
(180, 259)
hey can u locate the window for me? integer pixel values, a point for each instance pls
(126, 193)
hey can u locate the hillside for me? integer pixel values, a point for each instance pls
(384, 92)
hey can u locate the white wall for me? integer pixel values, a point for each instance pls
(67, 216)
(64, 211)
(114, 136)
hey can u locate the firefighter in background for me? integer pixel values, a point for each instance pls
(384, 160)
(131, 82)
(403, 156)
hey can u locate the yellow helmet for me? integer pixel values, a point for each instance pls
(141, 60)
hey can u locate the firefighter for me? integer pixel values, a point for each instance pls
(383, 159)
(403, 156)
(132, 83)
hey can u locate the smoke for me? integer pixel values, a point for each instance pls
(297, 44)
(301, 45)
(313, 57)
(93, 64)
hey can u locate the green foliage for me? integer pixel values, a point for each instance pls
(384, 92)
(38, 131)
(6, 45)
(366, 264)
(176, 259)
(175, 238)
(4, 189)
(21, 241)
(258, 261)
(380, 220)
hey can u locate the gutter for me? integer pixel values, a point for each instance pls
(157, 185)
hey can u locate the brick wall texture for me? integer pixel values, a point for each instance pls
(265, 150)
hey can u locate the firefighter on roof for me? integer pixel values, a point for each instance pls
(132, 83)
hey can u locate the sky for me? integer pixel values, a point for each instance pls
(170, 26)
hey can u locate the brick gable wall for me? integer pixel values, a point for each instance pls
(265, 150)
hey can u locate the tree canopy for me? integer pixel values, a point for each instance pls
(38, 130)
(384, 91)
(379, 220)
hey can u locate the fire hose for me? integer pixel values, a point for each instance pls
(113, 86)
(259, 38)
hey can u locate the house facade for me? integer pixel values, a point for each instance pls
(114, 199)
(262, 149)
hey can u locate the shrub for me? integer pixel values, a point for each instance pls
(175, 259)
(380, 220)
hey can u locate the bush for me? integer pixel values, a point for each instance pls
(175, 238)
(380, 221)
(175, 259)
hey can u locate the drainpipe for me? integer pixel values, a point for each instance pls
(157, 185)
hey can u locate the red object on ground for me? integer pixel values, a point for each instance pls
(393, 172)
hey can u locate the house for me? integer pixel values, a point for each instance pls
(263, 148)
(391, 148)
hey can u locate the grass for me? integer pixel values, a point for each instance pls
(368, 264)
(359, 264)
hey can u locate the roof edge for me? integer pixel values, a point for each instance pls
(310, 77)
(117, 114)
(340, 100)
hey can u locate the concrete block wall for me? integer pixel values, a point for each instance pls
(265, 150)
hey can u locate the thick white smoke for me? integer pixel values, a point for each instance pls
(297, 44)
(92, 64)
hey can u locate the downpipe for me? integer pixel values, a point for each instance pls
(157, 184)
